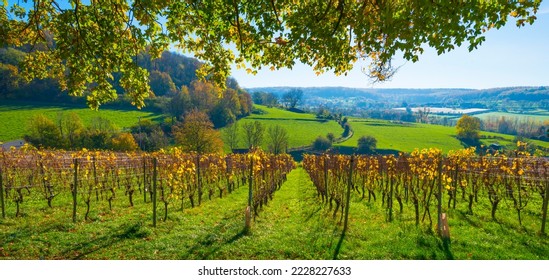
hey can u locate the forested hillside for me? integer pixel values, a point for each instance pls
(167, 74)
(176, 93)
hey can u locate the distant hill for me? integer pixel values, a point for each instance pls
(537, 97)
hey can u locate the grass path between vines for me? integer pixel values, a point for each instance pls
(294, 225)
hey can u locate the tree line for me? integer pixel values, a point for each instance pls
(254, 134)
(288, 100)
(172, 79)
(176, 93)
(67, 131)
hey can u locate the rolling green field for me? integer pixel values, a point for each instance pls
(302, 128)
(541, 116)
(507, 140)
(404, 137)
(294, 225)
(393, 137)
(16, 116)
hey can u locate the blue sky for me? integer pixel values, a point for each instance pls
(510, 56)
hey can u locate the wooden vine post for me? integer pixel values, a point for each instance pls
(228, 170)
(145, 180)
(250, 196)
(74, 189)
(326, 178)
(348, 196)
(2, 205)
(390, 195)
(95, 181)
(439, 196)
(442, 226)
(544, 207)
(154, 191)
(199, 179)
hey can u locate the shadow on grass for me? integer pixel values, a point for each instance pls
(27, 232)
(387, 152)
(389, 124)
(288, 119)
(124, 232)
(467, 217)
(297, 155)
(339, 243)
(313, 213)
(208, 244)
(446, 247)
(346, 150)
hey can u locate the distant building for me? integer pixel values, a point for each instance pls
(15, 143)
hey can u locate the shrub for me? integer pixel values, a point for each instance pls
(366, 145)
(321, 143)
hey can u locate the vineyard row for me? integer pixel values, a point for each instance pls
(427, 179)
(167, 177)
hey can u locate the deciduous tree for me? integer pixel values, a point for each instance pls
(197, 134)
(161, 83)
(366, 145)
(85, 42)
(231, 135)
(204, 95)
(124, 142)
(253, 133)
(468, 129)
(179, 103)
(292, 98)
(43, 132)
(72, 128)
(321, 143)
(278, 139)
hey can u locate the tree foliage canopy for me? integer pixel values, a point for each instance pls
(278, 139)
(468, 129)
(196, 134)
(84, 42)
(322, 143)
(292, 98)
(253, 134)
(366, 144)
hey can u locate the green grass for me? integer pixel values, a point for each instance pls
(507, 140)
(393, 137)
(277, 113)
(16, 116)
(538, 117)
(404, 137)
(294, 225)
(302, 128)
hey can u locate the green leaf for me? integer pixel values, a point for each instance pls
(5, 3)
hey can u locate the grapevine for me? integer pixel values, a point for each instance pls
(94, 176)
(423, 177)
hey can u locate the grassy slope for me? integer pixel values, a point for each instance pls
(302, 128)
(15, 117)
(408, 136)
(295, 225)
(542, 116)
(404, 137)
